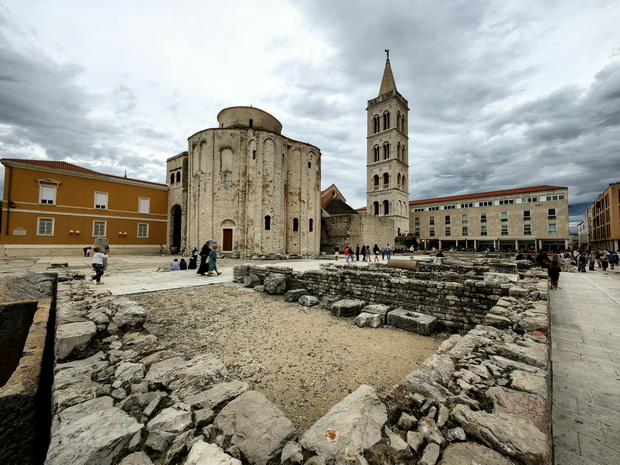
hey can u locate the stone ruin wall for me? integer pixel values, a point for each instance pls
(457, 297)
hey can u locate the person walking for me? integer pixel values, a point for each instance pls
(357, 253)
(376, 250)
(336, 252)
(204, 256)
(363, 253)
(613, 259)
(98, 260)
(411, 250)
(554, 273)
(213, 261)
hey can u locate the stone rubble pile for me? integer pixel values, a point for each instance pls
(121, 398)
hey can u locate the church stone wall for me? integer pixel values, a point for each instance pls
(354, 230)
(258, 187)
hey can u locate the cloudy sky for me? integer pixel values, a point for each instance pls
(502, 94)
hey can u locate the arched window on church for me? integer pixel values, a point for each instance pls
(267, 223)
(178, 176)
(386, 207)
(171, 178)
(376, 181)
(375, 208)
(226, 156)
(253, 154)
(376, 124)
(398, 151)
(386, 180)
(376, 152)
(386, 151)
(386, 120)
(310, 225)
(398, 121)
(398, 181)
(295, 224)
(404, 183)
(251, 122)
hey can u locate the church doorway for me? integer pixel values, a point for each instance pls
(175, 230)
(228, 239)
(228, 228)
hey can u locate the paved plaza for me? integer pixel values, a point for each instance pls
(585, 339)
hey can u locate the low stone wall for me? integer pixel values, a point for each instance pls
(24, 398)
(458, 299)
(120, 397)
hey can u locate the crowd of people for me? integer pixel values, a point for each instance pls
(365, 252)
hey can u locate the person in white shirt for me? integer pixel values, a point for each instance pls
(98, 264)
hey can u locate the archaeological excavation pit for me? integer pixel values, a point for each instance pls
(303, 359)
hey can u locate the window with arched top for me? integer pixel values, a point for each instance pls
(376, 181)
(386, 207)
(251, 123)
(253, 154)
(377, 156)
(267, 223)
(386, 151)
(398, 180)
(376, 124)
(375, 208)
(310, 225)
(404, 182)
(386, 120)
(295, 224)
(226, 160)
(386, 180)
(171, 178)
(178, 176)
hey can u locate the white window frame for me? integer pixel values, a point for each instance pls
(95, 227)
(527, 229)
(483, 230)
(144, 226)
(483, 218)
(464, 219)
(504, 231)
(144, 205)
(465, 231)
(46, 200)
(527, 217)
(101, 200)
(552, 229)
(551, 214)
(47, 221)
(503, 217)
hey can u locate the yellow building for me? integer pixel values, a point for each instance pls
(603, 220)
(529, 218)
(53, 207)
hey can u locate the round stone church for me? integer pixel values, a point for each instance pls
(248, 187)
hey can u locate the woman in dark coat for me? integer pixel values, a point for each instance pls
(554, 273)
(204, 256)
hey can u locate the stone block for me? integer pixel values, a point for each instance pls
(378, 309)
(368, 320)
(347, 307)
(73, 336)
(308, 300)
(412, 321)
(294, 294)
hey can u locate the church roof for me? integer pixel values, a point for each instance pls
(387, 83)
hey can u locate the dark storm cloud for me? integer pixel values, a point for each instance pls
(47, 115)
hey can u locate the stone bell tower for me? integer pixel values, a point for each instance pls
(387, 165)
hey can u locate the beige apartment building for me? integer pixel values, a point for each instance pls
(602, 220)
(530, 218)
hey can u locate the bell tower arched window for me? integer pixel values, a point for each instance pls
(386, 207)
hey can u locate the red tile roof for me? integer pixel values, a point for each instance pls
(522, 190)
(63, 165)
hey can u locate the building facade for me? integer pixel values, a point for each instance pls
(530, 218)
(387, 159)
(602, 220)
(52, 208)
(248, 187)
